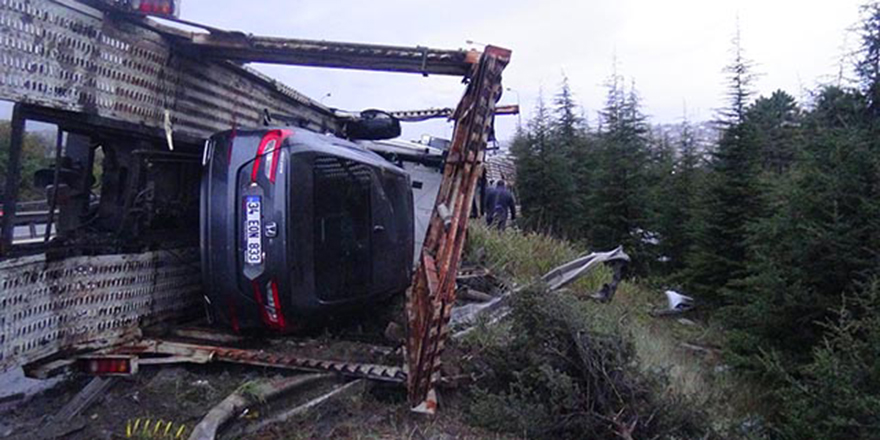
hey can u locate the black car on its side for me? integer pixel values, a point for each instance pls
(297, 225)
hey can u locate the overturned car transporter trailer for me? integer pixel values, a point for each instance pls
(145, 97)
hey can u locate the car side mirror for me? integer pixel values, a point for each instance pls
(373, 125)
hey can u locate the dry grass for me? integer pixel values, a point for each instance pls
(523, 257)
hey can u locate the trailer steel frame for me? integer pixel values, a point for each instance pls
(92, 70)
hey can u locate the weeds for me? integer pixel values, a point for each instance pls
(523, 256)
(644, 351)
(252, 390)
(567, 371)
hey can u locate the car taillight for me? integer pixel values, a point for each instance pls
(109, 366)
(268, 154)
(157, 7)
(271, 160)
(270, 308)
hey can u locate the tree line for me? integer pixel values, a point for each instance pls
(774, 229)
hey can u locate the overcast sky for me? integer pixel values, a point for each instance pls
(674, 50)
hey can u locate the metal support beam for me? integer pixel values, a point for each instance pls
(63, 55)
(238, 46)
(13, 177)
(436, 113)
(80, 154)
(56, 176)
(432, 295)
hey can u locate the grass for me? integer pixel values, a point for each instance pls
(699, 377)
(523, 257)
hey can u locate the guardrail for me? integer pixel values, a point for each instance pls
(29, 222)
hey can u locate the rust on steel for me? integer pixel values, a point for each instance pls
(430, 299)
(238, 46)
(216, 353)
(435, 113)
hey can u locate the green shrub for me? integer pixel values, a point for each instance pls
(837, 394)
(568, 371)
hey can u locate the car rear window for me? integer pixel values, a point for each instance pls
(343, 227)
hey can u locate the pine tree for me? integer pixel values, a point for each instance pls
(821, 240)
(619, 181)
(774, 123)
(661, 207)
(837, 394)
(731, 199)
(545, 185)
(674, 184)
(568, 125)
(868, 66)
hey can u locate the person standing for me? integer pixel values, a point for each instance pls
(503, 203)
(489, 202)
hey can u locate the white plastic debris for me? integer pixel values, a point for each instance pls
(678, 302)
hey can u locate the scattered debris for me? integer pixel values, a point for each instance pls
(147, 428)
(6, 430)
(206, 334)
(468, 315)
(167, 352)
(337, 392)
(249, 394)
(676, 304)
(60, 424)
(496, 307)
(470, 273)
(12, 398)
(469, 294)
(570, 272)
(394, 332)
(704, 349)
(96, 388)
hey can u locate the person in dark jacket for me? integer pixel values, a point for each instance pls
(503, 203)
(489, 202)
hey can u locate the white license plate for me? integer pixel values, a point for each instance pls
(253, 227)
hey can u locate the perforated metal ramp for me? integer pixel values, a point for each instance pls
(50, 307)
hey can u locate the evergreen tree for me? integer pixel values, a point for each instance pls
(774, 123)
(837, 394)
(568, 125)
(868, 65)
(674, 185)
(568, 135)
(659, 175)
(731, 199)
(619, 180)
(544, 180)
(821, 240)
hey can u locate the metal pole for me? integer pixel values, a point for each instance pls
(13, 175)
(59, 140)
(518, 113)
